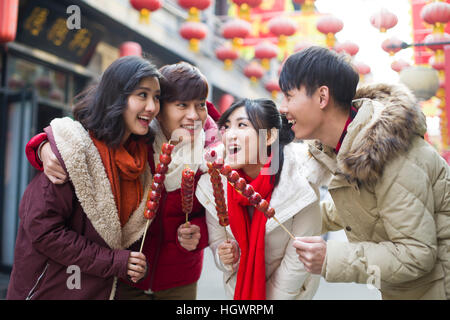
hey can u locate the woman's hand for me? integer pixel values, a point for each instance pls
(137, 266)
(228, 252)
(52, 168)
(189, 236)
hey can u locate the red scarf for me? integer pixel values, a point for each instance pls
(250, 235)
(123, 167)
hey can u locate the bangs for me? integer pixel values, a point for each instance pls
(185, 90)
(183, 82)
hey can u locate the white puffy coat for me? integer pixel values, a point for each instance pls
(296, 203)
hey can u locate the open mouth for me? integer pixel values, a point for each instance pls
(233, 149)
(292, 121)
(191, 128)
(144, 120)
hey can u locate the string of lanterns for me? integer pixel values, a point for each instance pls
(437, 14)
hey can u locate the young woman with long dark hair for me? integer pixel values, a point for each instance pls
(84, 227)
(174, 250)
(256, 255)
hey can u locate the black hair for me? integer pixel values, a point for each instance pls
(182, 82)
(264, 114)
(318, 66)
(100, 107)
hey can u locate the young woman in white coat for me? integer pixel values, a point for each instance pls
(256, 255)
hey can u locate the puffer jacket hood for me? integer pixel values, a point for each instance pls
(377, 141)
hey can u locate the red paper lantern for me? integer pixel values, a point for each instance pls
(399, 65)
(383, 20)
(8, 20)
(436, 37)
(236, 29)
(282, 28)
(254, 71)
(329, 25)
(193, 6)
(145, 7)
(391, 45)
(227, 55)
(225, 102)
(349, 47)
(273, 87)
(362, 68)
(244, 7)
(194, 32)
(130, 48)
(266, 51)
(436, 64)
(299, 46)
(198, 4)
(437, 14)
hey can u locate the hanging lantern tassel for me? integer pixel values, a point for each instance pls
(265, 63)
(282, 42)
(237, 44)
(308, 7)
(194, 14)
(274, 94)
(144, 16)
(330, 40)
(194, 45)
(244, 12)
(228, 64)
(443, 118)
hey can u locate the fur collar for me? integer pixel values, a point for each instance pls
(92, 187)
(388, 118)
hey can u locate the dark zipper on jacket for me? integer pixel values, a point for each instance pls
(160, 239)
(33, 289)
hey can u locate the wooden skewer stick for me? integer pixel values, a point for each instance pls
(145, 233)
(281, 225)
(285, 229)
(226, 233)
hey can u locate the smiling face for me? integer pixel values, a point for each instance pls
(303, 112)
(240, 139)
(183, 118)
(142, 107)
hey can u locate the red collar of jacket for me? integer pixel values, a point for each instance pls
(353, 112)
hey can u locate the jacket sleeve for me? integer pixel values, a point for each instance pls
(288, 281)
(31, 150)
(46, 221)
(406, 210)
(330, 218)
(217, 235)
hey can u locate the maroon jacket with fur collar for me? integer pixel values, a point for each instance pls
(55, 233)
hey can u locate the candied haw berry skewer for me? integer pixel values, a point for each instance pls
(247, 191)
(219, 197)
(187, 191)
(154, 194)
